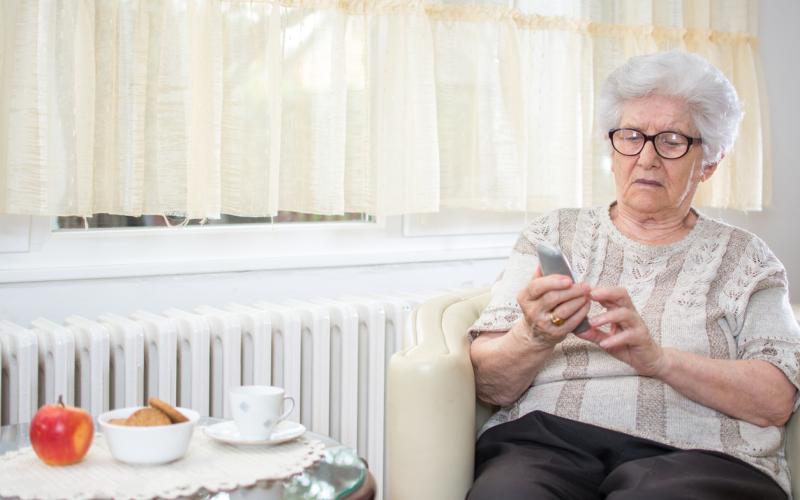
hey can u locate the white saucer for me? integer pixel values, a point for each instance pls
(228, 433)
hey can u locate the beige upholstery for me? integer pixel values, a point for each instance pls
(431, 406)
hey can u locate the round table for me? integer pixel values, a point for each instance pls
(340, 474)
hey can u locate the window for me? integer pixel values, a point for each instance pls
(100, 221)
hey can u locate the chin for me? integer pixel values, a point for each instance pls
(647, 206)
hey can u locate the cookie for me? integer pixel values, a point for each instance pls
(118, 421)
(148, 417)
(174, 415)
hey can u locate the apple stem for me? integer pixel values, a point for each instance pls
(61, 400)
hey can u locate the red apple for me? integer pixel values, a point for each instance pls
(61, 435)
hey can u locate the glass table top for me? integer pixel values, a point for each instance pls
(339, 473)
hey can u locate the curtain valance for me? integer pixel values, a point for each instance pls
(202, 107)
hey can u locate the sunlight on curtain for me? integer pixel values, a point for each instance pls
(202, 107)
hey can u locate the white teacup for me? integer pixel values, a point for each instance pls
(258, 408)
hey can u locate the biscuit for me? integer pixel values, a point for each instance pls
(148, 417)
(174, 415)
(118, 421)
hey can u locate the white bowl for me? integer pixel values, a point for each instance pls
(157, 444)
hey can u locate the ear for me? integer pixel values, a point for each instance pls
(706, 171)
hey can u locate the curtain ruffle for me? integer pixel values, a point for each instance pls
(203, 107)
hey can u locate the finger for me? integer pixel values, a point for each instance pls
(572, 312)
(543, 327)
(617, 296)
(536, 309)
(575, 318)
(595, 335)
(554, 298)
(625, 337)
(538, 273)
(621, 315)
(570, 307)
(539, 286)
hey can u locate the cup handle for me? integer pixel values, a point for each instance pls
(287, 412)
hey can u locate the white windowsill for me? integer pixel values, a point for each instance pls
(118, 253)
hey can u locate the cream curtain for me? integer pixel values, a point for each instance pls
(202, 107)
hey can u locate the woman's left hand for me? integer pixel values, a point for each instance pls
(627, 338)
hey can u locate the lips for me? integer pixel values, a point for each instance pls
(648, 182)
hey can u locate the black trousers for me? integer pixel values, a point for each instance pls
(541, 456)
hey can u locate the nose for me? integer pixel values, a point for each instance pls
(648, 156)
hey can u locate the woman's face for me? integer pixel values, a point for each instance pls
(647, 183)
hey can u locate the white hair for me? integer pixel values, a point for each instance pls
(710, 97)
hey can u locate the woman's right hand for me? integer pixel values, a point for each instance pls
(506, 363)
(548, 298)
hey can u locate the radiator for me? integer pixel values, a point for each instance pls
(330, 355)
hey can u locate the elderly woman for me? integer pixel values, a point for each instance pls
(683, 383)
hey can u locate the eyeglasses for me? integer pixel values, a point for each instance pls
(669, 145)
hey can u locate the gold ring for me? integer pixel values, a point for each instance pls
(556, 320)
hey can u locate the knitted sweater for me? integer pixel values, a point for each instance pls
(719, 292)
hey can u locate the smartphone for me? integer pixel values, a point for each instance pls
(553, 262)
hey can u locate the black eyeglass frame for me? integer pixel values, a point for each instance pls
(652, 138)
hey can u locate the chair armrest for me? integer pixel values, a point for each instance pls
(430, 408)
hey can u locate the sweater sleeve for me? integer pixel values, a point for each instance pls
(770, 333)
(503, 310)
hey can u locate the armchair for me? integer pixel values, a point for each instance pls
(432, 415)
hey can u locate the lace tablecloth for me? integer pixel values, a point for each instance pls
(207, 465)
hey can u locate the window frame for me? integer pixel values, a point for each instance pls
(137, 252)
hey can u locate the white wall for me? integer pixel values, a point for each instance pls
(55, 300)
(21, 302)
(778, 225)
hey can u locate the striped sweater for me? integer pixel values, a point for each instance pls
(719, 292)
